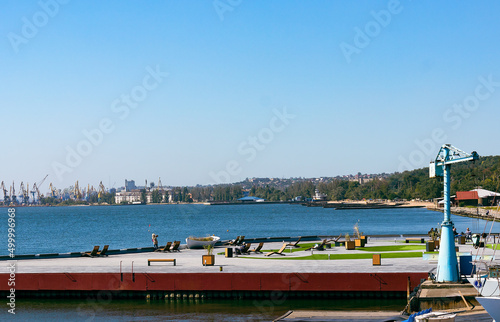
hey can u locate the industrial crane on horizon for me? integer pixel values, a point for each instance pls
(6, 197)
(37, 190)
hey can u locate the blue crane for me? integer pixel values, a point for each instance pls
(447, 269)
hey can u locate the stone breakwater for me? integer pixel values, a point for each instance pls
(472, 212)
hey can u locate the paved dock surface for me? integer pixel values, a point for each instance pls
(189, 261)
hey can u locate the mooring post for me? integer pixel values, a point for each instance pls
(408, 287)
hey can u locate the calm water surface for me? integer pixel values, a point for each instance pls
(208, 310)
(74, 229)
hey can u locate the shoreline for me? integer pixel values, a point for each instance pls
(358, 204)
(478, 213)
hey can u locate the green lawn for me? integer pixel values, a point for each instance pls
(346, 256)
(392, 248)
(411, 242)
(301, 247)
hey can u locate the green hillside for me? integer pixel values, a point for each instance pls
(415, 184)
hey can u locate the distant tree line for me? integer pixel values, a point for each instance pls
(408, 185)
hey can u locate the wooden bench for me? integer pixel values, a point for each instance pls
(161, 260)
(421, 240)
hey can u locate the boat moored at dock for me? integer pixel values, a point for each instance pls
(200, 242)
(492, 305)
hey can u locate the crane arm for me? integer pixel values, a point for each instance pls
(43, 180)
(447, 155)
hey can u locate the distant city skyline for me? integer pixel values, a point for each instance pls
(197, 93)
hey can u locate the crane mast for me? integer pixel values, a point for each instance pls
(13, 196)
(447, 270)
(35, 187)
(33, 191)
(160, 188)
(24, 193)
(102, 191)
(6, 197)
(77, 192)
(53, 191)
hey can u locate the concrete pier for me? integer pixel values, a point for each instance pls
(127, 275)
(444, 296)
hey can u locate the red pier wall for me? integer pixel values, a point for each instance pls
(372, 282)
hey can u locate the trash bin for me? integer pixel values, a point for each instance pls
(229, 252)
(377, 260)
(466, 266)
(430, 246)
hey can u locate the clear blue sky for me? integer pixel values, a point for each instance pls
(364, 81)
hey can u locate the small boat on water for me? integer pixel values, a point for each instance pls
(200, 242)
(492, 305)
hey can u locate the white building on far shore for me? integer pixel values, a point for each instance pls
(318, 196)
(128, 196)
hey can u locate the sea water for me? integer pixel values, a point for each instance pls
(41, 230)
(207, 310)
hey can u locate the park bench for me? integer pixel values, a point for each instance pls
(161, 260)
(421, 240)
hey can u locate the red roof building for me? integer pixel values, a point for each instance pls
(467, 195)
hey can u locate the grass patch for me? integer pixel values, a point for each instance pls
(392, 248)
(348, 256)
(301, 247)
(403, 241)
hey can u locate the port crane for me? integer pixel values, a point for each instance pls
(102, 191)
(6, 197)
(77, 192)
(13, 196)
(88, 192)
(160, 188)
(24, 193)
(38, 196)
(36, 189)
(447, 269)
(53, 191)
